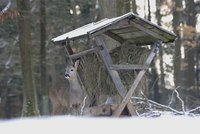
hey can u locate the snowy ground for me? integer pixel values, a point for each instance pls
(165, 124)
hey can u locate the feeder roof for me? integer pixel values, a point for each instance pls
(126, 28)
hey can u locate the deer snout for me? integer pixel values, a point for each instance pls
(67, 76)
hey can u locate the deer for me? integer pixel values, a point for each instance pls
(70, 95)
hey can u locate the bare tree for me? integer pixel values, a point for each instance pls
(190, 51)
(30, 106)
(177, 54)
(43, 94)
(159, 17)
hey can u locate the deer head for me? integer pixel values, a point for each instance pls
(71, 70)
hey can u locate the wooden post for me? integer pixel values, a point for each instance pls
(137, 80)
(83, 53)
(67, 47)
(104, 53)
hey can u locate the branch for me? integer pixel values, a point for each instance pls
(170, 102)
(155, 103)
(183, 112)
(6, 13)
(83, 105)
(182, 102)
(192, 110)
(6, 8)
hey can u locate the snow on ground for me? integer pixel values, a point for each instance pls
(166, 124)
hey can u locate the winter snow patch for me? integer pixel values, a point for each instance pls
(166, 124)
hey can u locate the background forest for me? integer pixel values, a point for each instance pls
(30, 63)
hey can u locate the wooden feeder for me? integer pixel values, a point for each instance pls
(126, 28)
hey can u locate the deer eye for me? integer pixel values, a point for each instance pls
(72, 69)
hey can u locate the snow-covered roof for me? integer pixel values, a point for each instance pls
(128, 27)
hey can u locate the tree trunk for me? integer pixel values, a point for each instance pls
(122, 7)
(177, 53)
(154, 75)
(30, 106)
(178, 79)
(43, 94)
(134, 6)
(190, 52)
(162, 74)
(108, 8)
(149, 11)
(74, 15)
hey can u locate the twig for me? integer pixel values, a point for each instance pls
(7, 7)
(83, 106)
(145, 97)
(170, 102)
(182, 102)
(192, 110)
(161, 105)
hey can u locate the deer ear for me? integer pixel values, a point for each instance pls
(76, 63)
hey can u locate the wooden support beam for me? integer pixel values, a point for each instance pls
(148, 31)
(107, 27)
(83, 53)
(68, 51)
(104, 53)
(137, 80)
(114, 36)
(128, 67)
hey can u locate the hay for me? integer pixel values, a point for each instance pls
(96, 79)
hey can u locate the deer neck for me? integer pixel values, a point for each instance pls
(74, 83)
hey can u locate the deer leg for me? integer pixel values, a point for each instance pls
(60, 110)
(56, 109)
(76, 109)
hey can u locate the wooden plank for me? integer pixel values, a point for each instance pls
(114, 36)
(125, 29)
(114, 74)
(148, 31)
(123, 24)
(108, 61)
(80, 54)
(146, 40)
(134, 35)
(145, 23)
(137, 80)
(68, 51)
(128, 67)
(116, 25)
